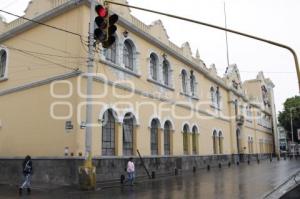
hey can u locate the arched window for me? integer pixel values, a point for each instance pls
(238, 140)
(236, 107)
(261, 146)
(166, 68)
(185, 139)
(252, 150)
(128, 127)
(221, 142)
(194, 139)
(154, 66)
(128, 55)
(215, 137)
(184, 81)
(212, 95)
(154, 137)
(218, 97)
(167, 134)
(111, 53)
(193, 83)
(3, 60)
(108, 133)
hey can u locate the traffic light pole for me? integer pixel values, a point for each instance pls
(221, 28)
(89, 89)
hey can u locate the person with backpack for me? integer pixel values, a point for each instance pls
(27, 172)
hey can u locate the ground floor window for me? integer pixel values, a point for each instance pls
(108, 133)
(167, 134)
(128, 128)
(154, 137)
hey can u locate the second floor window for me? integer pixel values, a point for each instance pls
(166, 68)
(184, 81)
(193, 84)
(111, 53)
(153, 66)
(218, 98)
(212, 95)
(128, 55)
(3, 60)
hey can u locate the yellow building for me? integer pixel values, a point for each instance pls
(149, 94)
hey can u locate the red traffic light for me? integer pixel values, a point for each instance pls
(101, 11)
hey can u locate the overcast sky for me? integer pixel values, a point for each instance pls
(276, 20)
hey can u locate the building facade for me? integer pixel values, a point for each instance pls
(283, 140)
(148, 93)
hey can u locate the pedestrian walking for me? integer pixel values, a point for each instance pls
(130, 171)
(27, 172)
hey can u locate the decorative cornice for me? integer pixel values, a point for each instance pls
(149, 95)
(39, 83)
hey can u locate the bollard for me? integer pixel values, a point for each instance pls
(153, 174)
(270, 159)
(220, 165)
(237, 163)
(258, 161)
(208, 167)
(176, 171)
(194, 169)
(122, 179)
(229, 164)
(278, 158)
(248, 161)
(284, 158)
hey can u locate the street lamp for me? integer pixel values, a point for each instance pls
(292, 130)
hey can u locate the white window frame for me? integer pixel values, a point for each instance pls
(134, 52)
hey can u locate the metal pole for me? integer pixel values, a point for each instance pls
(89, 89)
(221, 28)
(292, 132)
(144, 164)
(227, 51)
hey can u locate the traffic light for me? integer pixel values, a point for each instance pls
(111, 29)
(105, 26)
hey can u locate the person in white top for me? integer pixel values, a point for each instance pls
(130, 171)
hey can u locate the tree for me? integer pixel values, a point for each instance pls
(291, 105)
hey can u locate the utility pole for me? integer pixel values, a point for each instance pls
(89, 89)
(87, 172)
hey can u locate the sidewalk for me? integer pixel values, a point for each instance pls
(243, 181)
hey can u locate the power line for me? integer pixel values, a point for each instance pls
(221, 28)
(49, 26)
(41, 58)
(46, 54)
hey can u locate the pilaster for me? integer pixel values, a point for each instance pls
(118, 139)
(160, 142)
(190, 143)
(134, 140)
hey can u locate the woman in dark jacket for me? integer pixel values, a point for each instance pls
(27, 172)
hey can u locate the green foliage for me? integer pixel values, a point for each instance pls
(291, 105)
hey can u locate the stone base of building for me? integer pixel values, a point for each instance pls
(64, 171)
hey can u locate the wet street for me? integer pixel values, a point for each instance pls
(244, 181)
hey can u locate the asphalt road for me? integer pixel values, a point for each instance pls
(244, 181)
